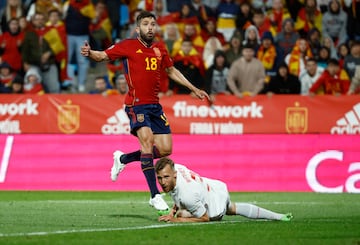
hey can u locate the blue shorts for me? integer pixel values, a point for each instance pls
(150, 115)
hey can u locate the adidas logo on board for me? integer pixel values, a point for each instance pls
(349, 123)
(119, 123)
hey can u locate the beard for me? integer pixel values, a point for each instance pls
(147, 38)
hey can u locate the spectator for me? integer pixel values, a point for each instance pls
(36, 52)
(190, 33)
(32, 82)
(201, 11)
(296, 60)
(58, 44)
(12, 10)
(310, 75)
(244, 17)
(355, 82)
(186, 14)
(171, 35)
(74, 12)
(324, 57)
(261, 21)
(102, 86)
(10, 45)
(190, 64)
(23, 23)
(246, 74)
(210, 31)
(6, 75)
(43, 7)
(226, 13)
(100, 28)
(329, 43)
(314, 40)
(342, 52)
(334, 23)
(210, 48)
(308, 17)
(159, 8)
(331, 81)
(17, 85)
(294, 6)
(283, 82)
(216, 76)
(353, 25)
(353, 59)
(252, 38)
(121, 84)
(234, 51)
(287, 38)
(269, 55)
(117, 18)
(277, 14)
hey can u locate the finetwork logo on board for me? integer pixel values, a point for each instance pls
(349, 123)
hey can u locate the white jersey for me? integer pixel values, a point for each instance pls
(198, 195)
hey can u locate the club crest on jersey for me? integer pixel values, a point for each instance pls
(157, 53)
(140, 118)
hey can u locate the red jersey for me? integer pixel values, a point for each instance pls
(142, 66)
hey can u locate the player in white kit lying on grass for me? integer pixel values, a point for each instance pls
(200, 199)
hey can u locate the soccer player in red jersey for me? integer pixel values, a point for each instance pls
(143, 60)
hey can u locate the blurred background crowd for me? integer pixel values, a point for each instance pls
(240, 47)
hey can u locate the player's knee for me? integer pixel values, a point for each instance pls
(231, 210)
(165, 151)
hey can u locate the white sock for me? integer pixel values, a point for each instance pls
(254, 212)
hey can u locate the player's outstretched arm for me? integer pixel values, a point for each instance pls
(179, 219)
(178, 77)
(93, 54)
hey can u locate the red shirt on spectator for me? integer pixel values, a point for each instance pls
(10, 44)
(328, 84)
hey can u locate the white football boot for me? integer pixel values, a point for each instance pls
(117, 166)
(158, 203)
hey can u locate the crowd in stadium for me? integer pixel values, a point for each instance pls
(240, 47)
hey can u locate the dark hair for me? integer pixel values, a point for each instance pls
(355, 43)
(333, 61)
(311, 59)
(143, 15)
(187, 39)
(258, 11)
(162, 163)
(248, 46)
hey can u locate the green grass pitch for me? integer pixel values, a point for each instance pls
(125, 218)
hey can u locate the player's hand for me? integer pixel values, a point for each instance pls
(85, 49)
(166, 218)
(201, 94)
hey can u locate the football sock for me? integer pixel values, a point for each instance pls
(135, 156)
(130, 157)
(147, 167)
(254, 212)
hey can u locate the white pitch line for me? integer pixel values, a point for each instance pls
(142, 202)
(45, 233)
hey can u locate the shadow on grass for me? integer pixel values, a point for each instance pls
(132, 216)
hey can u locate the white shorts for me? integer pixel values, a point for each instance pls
(219, 199)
